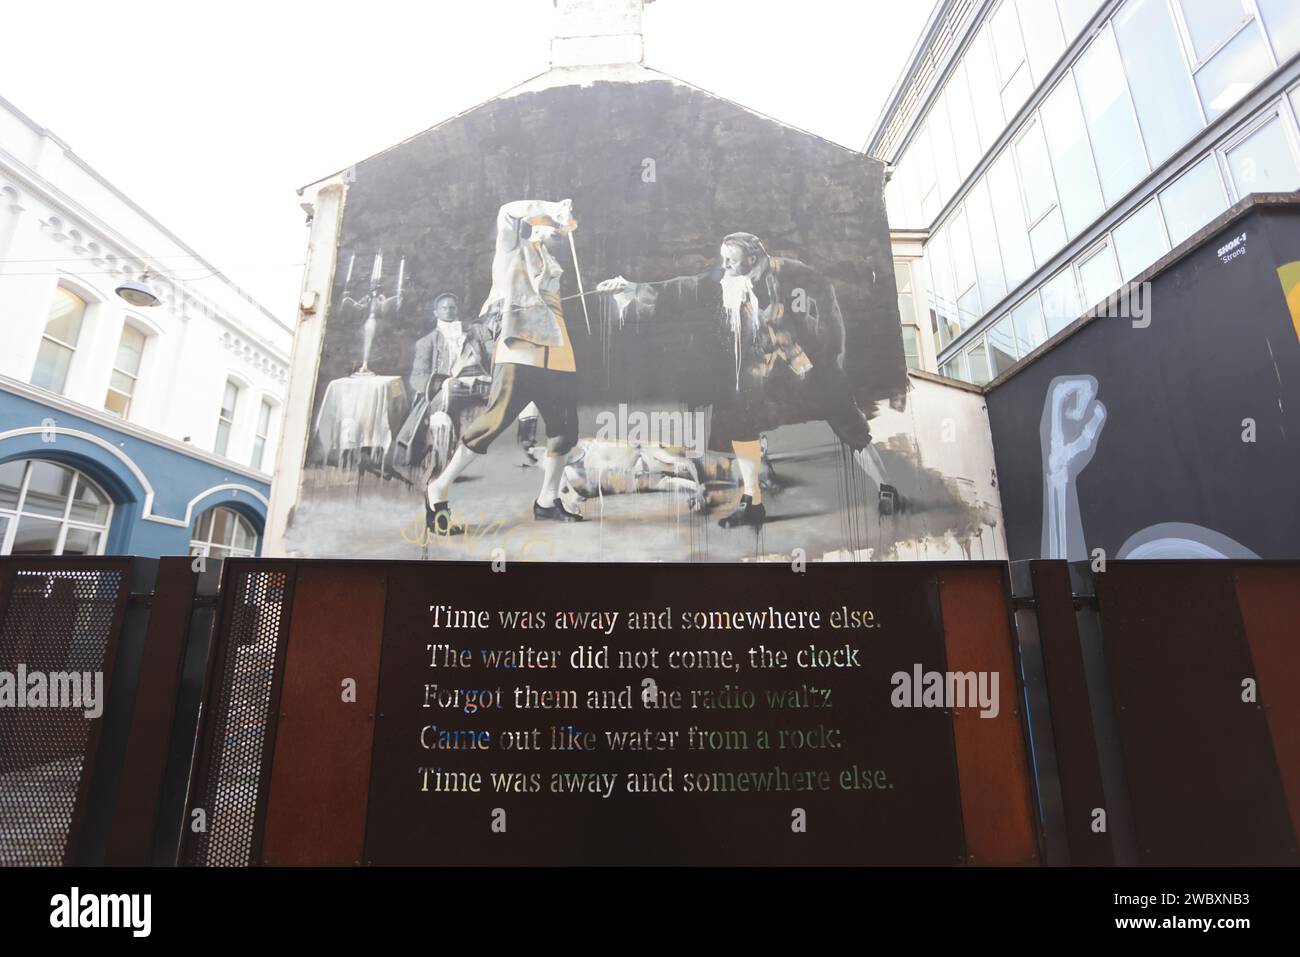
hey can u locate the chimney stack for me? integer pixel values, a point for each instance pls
(597, 33)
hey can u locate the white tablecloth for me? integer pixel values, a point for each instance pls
(360, 412)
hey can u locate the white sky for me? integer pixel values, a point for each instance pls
(210, 115)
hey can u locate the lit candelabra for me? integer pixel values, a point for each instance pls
(374, 303)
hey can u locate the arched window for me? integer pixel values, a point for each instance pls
(223, 533)
(51, 509)
(59, 341)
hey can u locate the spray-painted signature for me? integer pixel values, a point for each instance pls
(479, 529)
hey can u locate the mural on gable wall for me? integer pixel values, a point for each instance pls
(627, 321)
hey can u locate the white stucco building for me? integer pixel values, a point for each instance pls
(164, 411)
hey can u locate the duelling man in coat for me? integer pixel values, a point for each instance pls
(533, 359)
(776, 333)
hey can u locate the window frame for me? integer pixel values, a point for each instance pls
(15, 515)
(202, 547)
(86, 302)
(217, 447)
(145, 335)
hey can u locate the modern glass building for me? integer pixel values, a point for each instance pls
(1044, 152)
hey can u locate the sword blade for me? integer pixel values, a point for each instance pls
(577, 273)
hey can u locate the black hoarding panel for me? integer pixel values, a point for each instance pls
(1165, 435)
(565, 755)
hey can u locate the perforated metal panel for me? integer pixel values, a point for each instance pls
(233, 773)
(56, 620)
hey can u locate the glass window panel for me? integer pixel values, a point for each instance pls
(11, 480)
(1139, 241)
(1193, 200)
(1001, 360)
(1007, 45)
(1035, 172)
(229, 399)
(1060, 301)
(244, 535)
(1008, 213)
(223, 437)
(1042, 32)
(1117, 144)
(223, 526)
(1157, 76)
(911, 347)
(1263, 162)
(1047, 237)
(48, 489)
(984, 241)
(259, 449)
(1233, 72)
(52, 363)
(1027, 321)
(1075, 15)
(1003, 350)
(89, 504)
(963, 260)
(894, 202)
(943, 298)
(911, 198)
(81, 541)
(930, 206)
(65, 318)
(945, 158)
(1079, 192)
(984, 92)
(923, 155)
(1282, 18)
(217, 551)
(121, 382)
(955, 368)
(1017, 91)
(129, 351)
(962, 119)
(35, 536)
(1098, 276)
(1209, 22)
(968, 308)
(264, 417)
(5, 522)
(977, 361)
(903, 282)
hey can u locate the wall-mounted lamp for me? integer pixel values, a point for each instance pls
(137, 292)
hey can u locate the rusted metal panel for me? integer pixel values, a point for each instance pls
(993, 766)
(1269, 597)
(1078, 764)
(1204, 786)
(916, 819)
(237, 730)
(134, 820)
(316, 809)
(62, 614)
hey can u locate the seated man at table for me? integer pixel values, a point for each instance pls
(450, 375)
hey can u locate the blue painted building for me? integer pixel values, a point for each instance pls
(143, 422)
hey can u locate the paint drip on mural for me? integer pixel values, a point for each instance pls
(626, 322)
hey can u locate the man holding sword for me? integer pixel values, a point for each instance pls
(533, 361)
